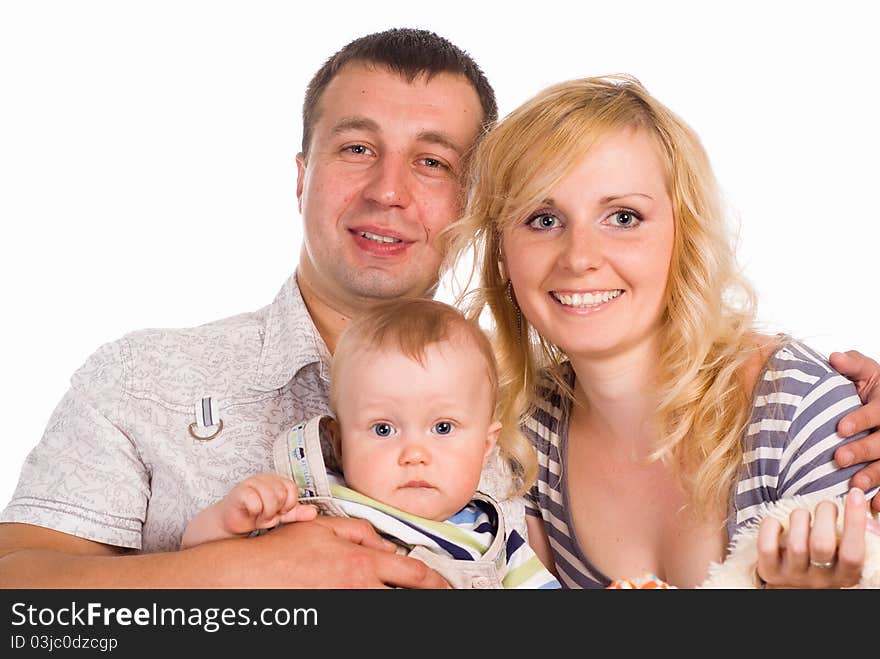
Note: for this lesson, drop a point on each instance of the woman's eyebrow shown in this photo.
(614, 197)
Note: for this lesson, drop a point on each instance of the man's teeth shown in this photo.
(378, 238)
(586, 299)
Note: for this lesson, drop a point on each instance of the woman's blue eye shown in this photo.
(625, 219)
(383, 429)
(443, 427)
(543, 221)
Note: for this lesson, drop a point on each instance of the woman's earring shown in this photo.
(510, 296)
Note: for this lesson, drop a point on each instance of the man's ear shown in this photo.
(300, 179)
(491, 440)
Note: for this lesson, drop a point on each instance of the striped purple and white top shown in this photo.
(788, 449)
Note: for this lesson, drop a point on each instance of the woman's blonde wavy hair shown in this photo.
(706, 335)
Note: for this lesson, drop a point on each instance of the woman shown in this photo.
(663, 420)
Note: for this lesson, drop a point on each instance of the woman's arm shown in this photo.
(539, 542)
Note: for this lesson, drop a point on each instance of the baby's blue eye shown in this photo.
(383, 429)
(443, 427)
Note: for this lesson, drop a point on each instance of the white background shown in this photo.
(147, 173)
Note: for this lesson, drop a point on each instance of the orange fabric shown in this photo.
(648, 581)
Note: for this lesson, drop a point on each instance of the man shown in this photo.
(162, 423)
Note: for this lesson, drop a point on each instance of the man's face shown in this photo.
(380, 182)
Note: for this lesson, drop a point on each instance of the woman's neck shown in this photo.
(616, 395)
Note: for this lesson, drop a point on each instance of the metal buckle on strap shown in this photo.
(207, 417)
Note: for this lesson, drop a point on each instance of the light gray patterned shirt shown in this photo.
(118, 464)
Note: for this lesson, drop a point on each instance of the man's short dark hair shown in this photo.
(408, 53)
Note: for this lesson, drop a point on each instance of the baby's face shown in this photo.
(416, 437)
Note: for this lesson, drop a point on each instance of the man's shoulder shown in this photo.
(223, 334)
(162, 361)
(240, 355)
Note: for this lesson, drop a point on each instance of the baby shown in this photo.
(414, 389)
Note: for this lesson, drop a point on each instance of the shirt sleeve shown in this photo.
(807, 462)
(530, 499)
(85, 477)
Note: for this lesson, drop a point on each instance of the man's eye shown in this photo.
(383, 429)
(543, 221)
(357, 149)
(443, 427)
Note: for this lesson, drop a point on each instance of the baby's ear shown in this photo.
(491, 440)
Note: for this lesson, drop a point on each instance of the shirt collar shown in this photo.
(291, 340)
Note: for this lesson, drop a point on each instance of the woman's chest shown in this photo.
(631, 518)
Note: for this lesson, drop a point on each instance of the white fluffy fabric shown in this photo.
(738, 569)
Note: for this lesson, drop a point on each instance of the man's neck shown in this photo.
(331, 314)
(329, 320)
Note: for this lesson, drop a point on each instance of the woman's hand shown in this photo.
(809, 554)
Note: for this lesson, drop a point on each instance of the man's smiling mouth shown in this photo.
(378, 238)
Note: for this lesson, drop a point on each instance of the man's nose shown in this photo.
(390, 181)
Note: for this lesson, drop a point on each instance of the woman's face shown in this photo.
(589, 267)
